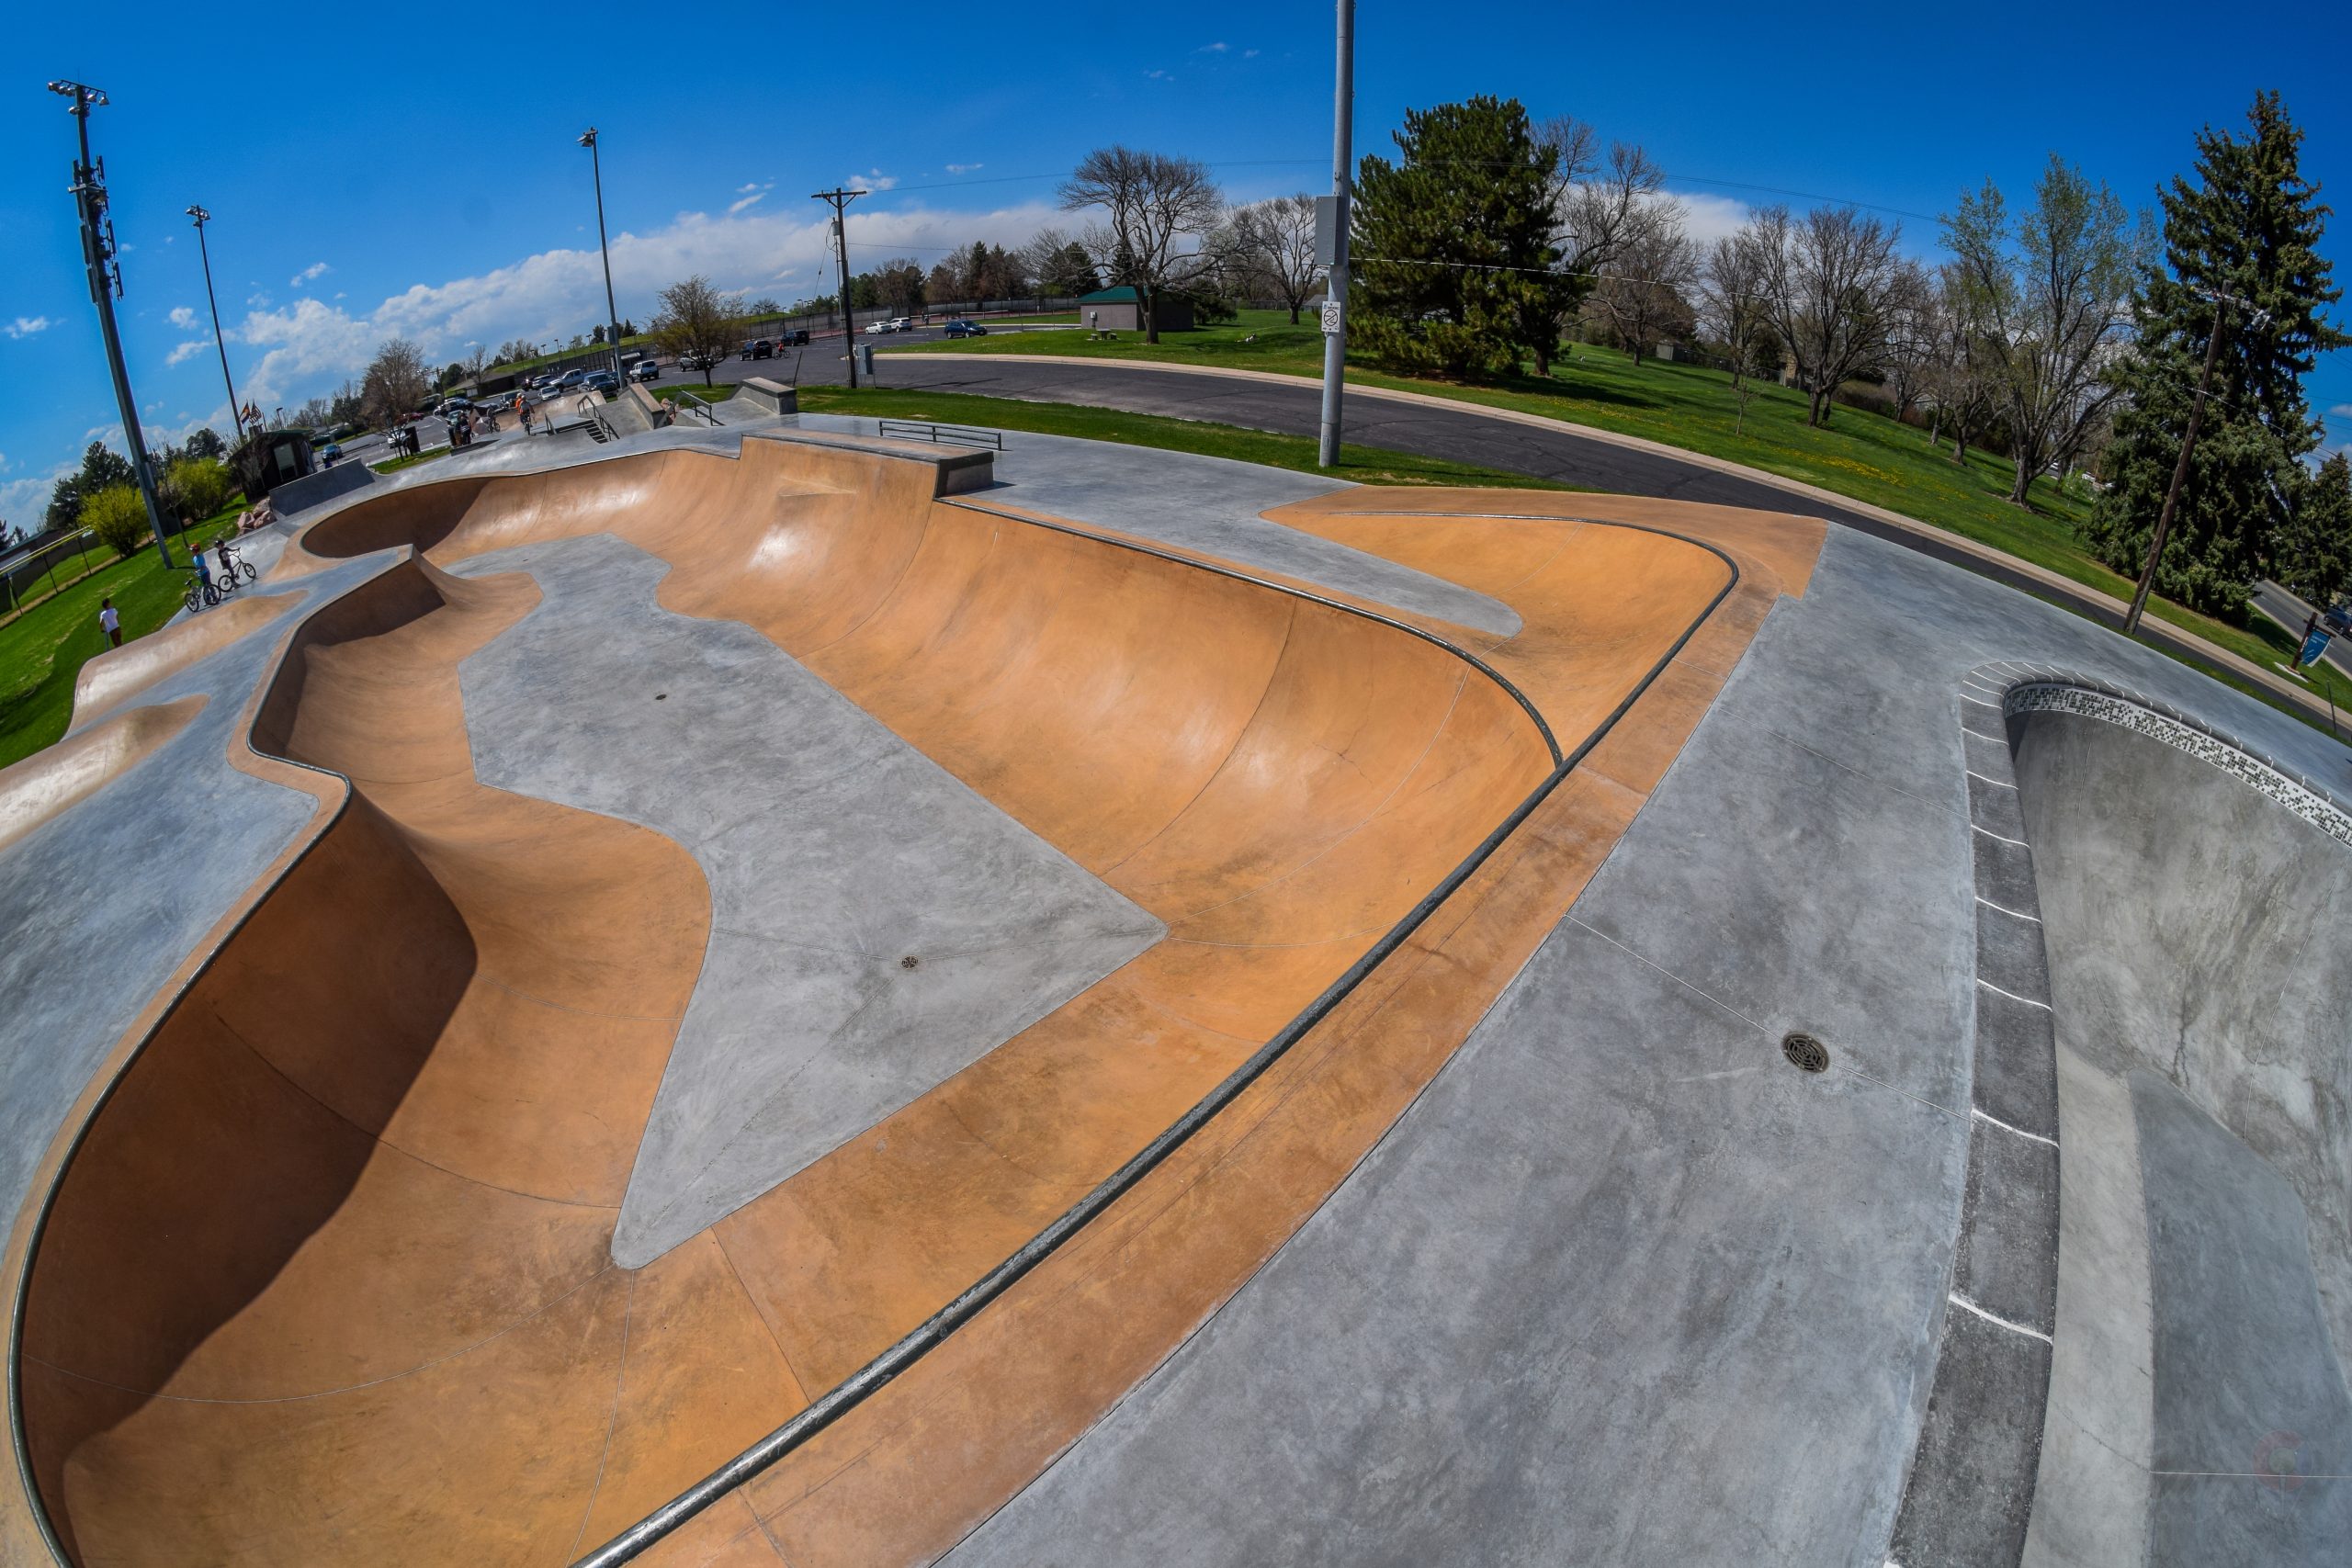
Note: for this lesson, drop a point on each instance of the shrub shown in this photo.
(117, 516)
(199, 485)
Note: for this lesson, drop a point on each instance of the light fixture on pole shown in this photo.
(106, 285)
(841, 199)
(202, 217)
(612, 314)
(2221, 303)
(1331, 240)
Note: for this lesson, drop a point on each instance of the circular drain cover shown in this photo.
(909, 962)
(1804, 1050)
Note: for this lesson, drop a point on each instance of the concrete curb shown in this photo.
(2064, 587)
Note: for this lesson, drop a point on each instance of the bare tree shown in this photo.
(1153, 204)
(1957, 387)
(1908, 338)
(1277, 237)
(476, 359)
(1640, 288)
(1596, 199)
(396, 381)
(1732, 304)
(695, 324)
(2050, 295)
(1828, 275)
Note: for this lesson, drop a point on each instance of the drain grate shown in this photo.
(1806, 1052)
(909, 962)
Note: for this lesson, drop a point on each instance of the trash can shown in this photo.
(865, 357)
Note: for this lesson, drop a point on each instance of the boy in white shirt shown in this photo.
(110, 621)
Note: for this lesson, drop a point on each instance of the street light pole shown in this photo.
(841, 199)
(2221, 303)
(1335, 291)
(612, 314)
(212, 303)
(105, 283)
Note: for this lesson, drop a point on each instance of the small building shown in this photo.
(270, 459)
(1120, 309)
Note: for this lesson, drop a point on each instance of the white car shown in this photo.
(881, 327)
(903, 324)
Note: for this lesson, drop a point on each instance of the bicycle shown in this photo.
(201, 595)
(233, 565)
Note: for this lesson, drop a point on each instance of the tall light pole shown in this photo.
(105, 283)
(841, 199)
(612, 315)
(213, 304)
(2221, 303)
(1335, 291)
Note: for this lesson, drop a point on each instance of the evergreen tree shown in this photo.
(2314, 552)
(2248, 226)
(1070, 273)
(102, 468)
(1454, 243)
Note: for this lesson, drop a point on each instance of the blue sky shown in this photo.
(413, 172)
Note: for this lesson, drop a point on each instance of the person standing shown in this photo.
(110, 621)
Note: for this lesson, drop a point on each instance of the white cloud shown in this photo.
(184, 318)
(874, 179)
(1212, 49)
(186, 351)
(26, 326)
(1158, 76)
(311, 346)
(1707, 219)
(1248, 54)
(738, 206)
(748, 188)
(22, 502)
(963, 168)
(259, 300)
(2341, 410)
(310, 274)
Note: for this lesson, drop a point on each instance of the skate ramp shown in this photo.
(2201, 988)
(331, 1275)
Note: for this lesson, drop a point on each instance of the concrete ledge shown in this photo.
(773, 395)
(325, 485)
(637, 410)
(958, 469)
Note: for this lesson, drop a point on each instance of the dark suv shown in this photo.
(760, 349)
(796, 338)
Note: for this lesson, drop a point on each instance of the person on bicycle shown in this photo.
(203, 573)
(228, 564)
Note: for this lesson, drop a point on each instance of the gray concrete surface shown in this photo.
(101, 904)
(834, 849)
(2202, 989)
(1622, 1286)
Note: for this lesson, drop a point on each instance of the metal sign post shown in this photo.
(1332, 241)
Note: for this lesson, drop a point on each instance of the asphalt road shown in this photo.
(2295, 614)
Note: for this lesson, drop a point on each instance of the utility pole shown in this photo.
(106, 284)
(213, 304)
(612, 313)
(841, 199)
(1335, 292)
(2221, 303)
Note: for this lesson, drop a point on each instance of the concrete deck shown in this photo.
(1534, 1248)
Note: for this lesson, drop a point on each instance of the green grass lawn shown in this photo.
(1050, 319)
(43, 650)
(1363, 464)
(713, 394)
(1863, 456)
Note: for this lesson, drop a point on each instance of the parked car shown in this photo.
(961, 328)
(696, 362)
(569, 379)
(603, 381)
(903, 324)
(328, 453)
(452, 407)
(759, 348)
(646, 370)
(881, 327)
(796, 338)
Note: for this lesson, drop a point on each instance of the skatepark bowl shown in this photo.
(806, 979)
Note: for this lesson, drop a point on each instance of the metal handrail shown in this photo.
(947, 434)
(698, 406)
